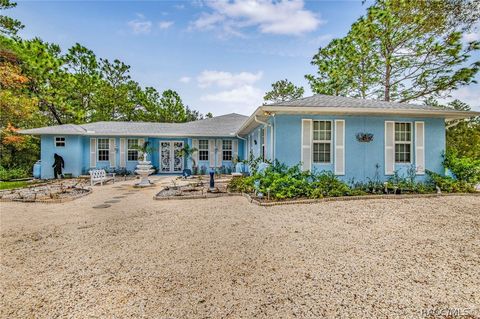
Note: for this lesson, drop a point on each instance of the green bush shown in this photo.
(465, 169)
(279, 181)
(13, 173)
(241, 184)
(449, 184)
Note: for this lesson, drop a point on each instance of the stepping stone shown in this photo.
(126, 194)
(102, 206)
(117, 197)
(112, 201)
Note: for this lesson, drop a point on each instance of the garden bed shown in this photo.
(196, 187)
(266, 203)
(51, 192)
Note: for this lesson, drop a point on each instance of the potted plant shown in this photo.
(187, 151)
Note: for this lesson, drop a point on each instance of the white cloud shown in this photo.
(165, 24)
(471, 36)
(185, 79)
(226, 79)
(140, 25)
(288, 17)
(468, 94)
(245, 98)
(207, 21)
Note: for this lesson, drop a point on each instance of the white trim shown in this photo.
(112, 154)
(122, 154)
(55, 141)
(93, 152)
(103, 149)
(250, 123)
(323, 142)
(131, 149)
(338, 148)
(306, 146)
(172, 156)
(403, 142)
(420, 149)
(389, 167)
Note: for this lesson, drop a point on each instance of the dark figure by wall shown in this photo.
(58, 165)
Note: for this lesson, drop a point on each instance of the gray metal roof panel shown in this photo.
(224, 125)
(320, 100)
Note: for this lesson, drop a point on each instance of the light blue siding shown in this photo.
(76, 154)
(361, 159)
(72, 154)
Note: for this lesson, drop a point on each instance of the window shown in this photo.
(203, 150)
(132, 149)
(103, 149)
(60, 141)
(322, 141)
(403, 142)
(227, 150)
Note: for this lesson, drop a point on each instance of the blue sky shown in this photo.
(220, 57)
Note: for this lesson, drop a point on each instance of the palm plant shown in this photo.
(187, 151)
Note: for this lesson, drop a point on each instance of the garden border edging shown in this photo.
(348, 198)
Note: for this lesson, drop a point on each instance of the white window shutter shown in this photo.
(420, 147)
(339, 147)
(306, 152)
(141, 141)
(219, 153)
(389, 147)
(211, 151)
(195, 154)
(123, 155)
(235, 148)
(112, 155)
(93, 152)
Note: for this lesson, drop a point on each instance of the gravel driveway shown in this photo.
(226, 258)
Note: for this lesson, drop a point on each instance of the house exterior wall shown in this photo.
(76, 153)
(72, 154)
(362, 160)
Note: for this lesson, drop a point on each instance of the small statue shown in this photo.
(58, 164)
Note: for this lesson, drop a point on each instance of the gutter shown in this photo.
(260, 122)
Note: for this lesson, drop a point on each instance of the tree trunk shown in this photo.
(387, 82)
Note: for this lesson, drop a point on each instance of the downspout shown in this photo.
(452, 124)
(271, 132)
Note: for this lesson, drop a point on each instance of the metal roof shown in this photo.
(224, 125)
(233, 124)
(320, 100)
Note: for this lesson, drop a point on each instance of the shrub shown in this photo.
(465, 169)
(449, 184)
(13, 173)
(241, 184)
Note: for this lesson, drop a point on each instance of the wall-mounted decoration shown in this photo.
(364, 137)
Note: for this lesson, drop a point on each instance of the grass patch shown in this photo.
(12, 185)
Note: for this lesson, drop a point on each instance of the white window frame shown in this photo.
(103, 149)
(205, 149)
(395, 142)
(224, 150)
(330, 141)
(56, 142)
(132, 150)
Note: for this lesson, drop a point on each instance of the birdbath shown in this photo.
(144, 168)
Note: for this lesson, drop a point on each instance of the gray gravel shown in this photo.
(225, 258)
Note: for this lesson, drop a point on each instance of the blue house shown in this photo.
(353, 138)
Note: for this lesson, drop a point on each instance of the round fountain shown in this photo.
(144, 168)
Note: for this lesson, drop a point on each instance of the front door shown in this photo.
(171, 160)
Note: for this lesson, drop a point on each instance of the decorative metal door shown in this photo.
(171, 160)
